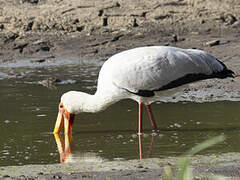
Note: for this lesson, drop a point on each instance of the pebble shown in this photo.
(117, 37)
(213, 43)
(177, 125)
(174, 38)
(105, 21)
(6, 176)
(1, 26)
(145, 135)
(57, 177)
(134, 136)
(119, 136)
(6, 121)
(29, 1)
(139, 166)
(228, 19)
(135, 24)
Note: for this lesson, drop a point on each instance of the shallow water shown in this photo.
(29, 110)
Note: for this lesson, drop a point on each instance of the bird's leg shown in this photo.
(151, 147)
(150, 114)
(140, 146)
(139, 118)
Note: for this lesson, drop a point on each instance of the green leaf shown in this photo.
(184, 169)
(167, 173)
(185, 172)
(206, 144)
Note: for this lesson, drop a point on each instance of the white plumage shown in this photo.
(142, 74)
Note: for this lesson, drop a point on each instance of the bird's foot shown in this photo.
(139, 133)
(154, 134)
(156, 130)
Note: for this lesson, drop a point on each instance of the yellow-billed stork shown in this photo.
(141, 74)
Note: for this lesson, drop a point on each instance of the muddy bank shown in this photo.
(224, 164)
(99, 29)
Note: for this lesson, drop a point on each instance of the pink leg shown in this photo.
(140, 146)
(139, 118)
(150, 114)
(151, 147)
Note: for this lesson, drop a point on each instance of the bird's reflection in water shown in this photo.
(65, 153)
(64, 146)
(66, 156)
(150, 150)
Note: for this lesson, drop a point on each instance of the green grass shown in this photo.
(183, 164)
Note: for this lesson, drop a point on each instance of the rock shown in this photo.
(119, 136)
(20, 45)
(174, 38)
(117, 37)
(203, 21)
(7, 121)
(6, 176)
(105, 21)
(39, 45)
(36, 25)
(1, 27)
(57, 177)
(228, 19)
(41, 60)
(45, 48)
(213, 43)
(135, 24)
(29, 1)
(80, 28)
(29, 26)
(10, 37)
(100, 12)
(50, 82)
(161, 17)
(110, 5)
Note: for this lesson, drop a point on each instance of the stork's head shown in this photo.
(72, 103)
(69, 106)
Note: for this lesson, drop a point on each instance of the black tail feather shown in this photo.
(224, 74)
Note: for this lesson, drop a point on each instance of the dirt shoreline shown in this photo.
(51, 30)
(99, 29)
(203, 166)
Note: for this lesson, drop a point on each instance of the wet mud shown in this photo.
(203, 167)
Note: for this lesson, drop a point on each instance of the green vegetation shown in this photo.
(183, 164)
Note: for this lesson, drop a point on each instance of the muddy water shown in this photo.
(28, 113)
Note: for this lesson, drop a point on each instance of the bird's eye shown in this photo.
(61, 106)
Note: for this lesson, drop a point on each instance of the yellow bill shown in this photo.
(63, 118)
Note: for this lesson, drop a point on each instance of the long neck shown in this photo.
(96, 102)
(76, 102)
